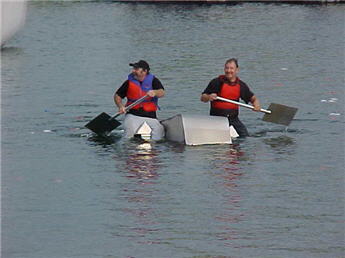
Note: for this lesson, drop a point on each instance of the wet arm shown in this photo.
(159, 93)
(256, 103)
(118, 103)
(157, 89)
(209, 93)
(208, 97)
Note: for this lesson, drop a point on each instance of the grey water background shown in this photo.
(278, 193)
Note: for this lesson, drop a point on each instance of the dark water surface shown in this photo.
(278, 193)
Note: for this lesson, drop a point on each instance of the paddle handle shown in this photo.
(130, 106)
(243, 105)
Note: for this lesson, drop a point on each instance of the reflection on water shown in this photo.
(104, 140)
(10, 51)
(139, 192)
(280, 142)
(277, 129)
(228, 172)
(143, 163)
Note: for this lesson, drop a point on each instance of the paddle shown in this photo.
(103, 124)
(276, 113)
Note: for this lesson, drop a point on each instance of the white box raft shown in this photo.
(198, 130)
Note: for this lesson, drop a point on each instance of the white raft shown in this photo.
(184, 129)
(198, 130)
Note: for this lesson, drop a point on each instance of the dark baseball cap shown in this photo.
(141, 64)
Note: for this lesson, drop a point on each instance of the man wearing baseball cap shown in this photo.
(140, 82)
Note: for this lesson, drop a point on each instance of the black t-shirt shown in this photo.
(122, 92)
(214, 87)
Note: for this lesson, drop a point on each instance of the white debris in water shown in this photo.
(334, 114)
(333, 100)
(47, 131)
(284, 69)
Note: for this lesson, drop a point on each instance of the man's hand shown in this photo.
(122, 109)
(256, 108)
(212, 96)
(208, 97)
(151, 93)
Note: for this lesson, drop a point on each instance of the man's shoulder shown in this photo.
(156, 83)
(242, 83)
(216, 81)
(125, 83)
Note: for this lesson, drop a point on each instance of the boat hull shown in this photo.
(198, 130)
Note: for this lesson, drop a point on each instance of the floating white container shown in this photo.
(198, 130)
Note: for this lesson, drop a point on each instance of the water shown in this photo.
(278, 193)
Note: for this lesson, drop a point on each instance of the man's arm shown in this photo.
(118, 103)
(256, 103)
(157, 89)
(208, 97)
(156, 93)
(119, 95)
(209, 93)
(248, 96)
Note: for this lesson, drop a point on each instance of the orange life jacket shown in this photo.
(137, 89)
(229, 91)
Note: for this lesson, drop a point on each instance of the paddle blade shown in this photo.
(280, 114)
(102, 124)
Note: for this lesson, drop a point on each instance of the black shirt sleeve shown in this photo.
(213, 86)
(156, 84)
(122, 91)
(246, 93)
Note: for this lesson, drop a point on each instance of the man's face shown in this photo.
(230, 71)
(139, 73)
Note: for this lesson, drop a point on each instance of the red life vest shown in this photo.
(229, 91)
(137, 89)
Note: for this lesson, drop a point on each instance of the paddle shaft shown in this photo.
(130, 106)
(243, 105)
